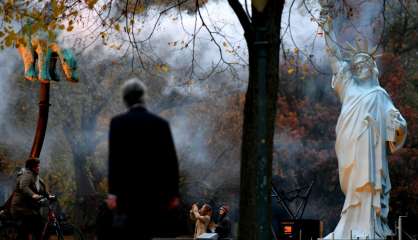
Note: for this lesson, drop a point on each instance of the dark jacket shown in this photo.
(22, 202)
(143, 167)
(224, 227)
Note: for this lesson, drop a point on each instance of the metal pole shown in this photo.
(400, 227)
(274, 233)
(38, 140)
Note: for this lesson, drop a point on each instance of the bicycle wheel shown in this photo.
(53, 232)
(8, 232)
(71, 232)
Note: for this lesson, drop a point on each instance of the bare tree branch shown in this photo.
(242, 17)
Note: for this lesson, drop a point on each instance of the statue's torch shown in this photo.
(326, 10)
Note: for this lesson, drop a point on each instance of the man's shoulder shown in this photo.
(119, 116)
(27, 174)
(116, 118)
(145, 116)
(158, 119)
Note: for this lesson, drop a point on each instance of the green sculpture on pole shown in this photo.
(39, 58)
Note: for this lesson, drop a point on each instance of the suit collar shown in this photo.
(137, 108)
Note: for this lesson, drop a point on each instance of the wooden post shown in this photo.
(38, 140)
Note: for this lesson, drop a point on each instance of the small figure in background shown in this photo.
(202, 217)
(223, 225)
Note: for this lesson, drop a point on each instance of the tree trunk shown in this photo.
(82, 148)
(259, 117)
(85, 190)
(84, 184)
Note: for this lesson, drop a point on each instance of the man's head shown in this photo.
(224, 210)
(206, 209)
(33, 164)
(133, 92)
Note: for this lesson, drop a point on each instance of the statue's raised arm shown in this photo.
(333, 50)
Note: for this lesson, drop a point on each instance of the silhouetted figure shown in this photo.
(143, 169)
(24, 205)
(223, 226)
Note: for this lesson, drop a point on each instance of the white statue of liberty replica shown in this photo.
(369, 126)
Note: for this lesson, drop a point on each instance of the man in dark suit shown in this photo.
(143, 168)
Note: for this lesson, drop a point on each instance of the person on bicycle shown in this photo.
(25, 207)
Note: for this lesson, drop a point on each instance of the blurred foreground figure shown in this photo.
(143, 170)
(368, 126)
(202, 217)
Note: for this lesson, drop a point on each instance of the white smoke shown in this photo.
(8, 59)
(352, 19)
(300, 30)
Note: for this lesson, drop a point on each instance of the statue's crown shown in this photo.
(361, 49)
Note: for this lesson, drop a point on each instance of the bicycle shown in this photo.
(8, 227)
(55, 228)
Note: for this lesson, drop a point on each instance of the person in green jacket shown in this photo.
(25, 207)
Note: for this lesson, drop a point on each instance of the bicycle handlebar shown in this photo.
(44, 201)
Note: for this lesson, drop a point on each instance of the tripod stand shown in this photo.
(298, 196)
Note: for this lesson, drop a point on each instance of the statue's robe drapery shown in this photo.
(362, 130)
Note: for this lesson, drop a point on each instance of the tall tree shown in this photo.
(261, 32)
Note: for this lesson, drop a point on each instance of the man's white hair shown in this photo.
(134, 92)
